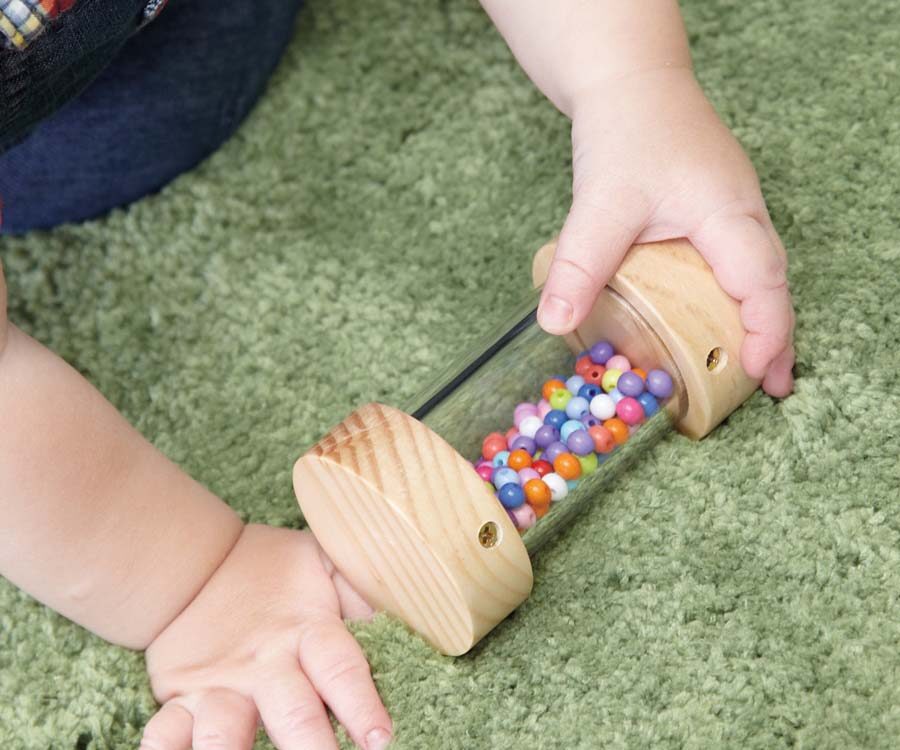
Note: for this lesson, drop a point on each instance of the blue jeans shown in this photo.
(174, 93)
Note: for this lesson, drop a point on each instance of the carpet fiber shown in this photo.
(375, 213)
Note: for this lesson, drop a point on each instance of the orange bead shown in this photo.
(567, 466)
(550, 386)
(583, 364)
(492, 445)
(603, 439)
(618, 429)
(518, 460)
(639, 372)
(537, 493)
(540, 509)
(594, 374)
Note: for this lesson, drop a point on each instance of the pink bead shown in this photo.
(543, 408)
(526, 474)
(511, 434)
(523, 410)
(485, 471)
(630, 411)
(525, 517)
(618, 362)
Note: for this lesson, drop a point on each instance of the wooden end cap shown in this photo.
(673, 289)
(413, 528)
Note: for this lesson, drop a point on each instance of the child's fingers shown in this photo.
(169, 729)
(353, 606)
(224, 720)
(750, 268)
(336, 665)
(292, 712)
(779, 380)
(598, 232)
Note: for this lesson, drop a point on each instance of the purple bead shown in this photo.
(552, 451)
(590, 421)
(545, 435)
(601, 352)
(659, 383)
(580, 443)
(525, 443)
(630, 384)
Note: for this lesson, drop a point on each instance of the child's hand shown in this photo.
(264, 639)
(652, 161)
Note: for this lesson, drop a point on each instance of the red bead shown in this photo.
(492, 445)
(583, 365)
(603, 439)
(542, 467)
(594, 374)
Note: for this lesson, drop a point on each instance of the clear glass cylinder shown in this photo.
(478, 392)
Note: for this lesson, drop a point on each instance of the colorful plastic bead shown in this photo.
(511, 434)
(580, 443)
(524, 516)
(577, 407)
(492, 445)
(610, 378)
(589, 463)
(618, 362)
(618, 429)
(511, 495)
(573, 425)
(522, 443)
(553, 450)
(590, 420)
(503, 475)
(630, 384)
(545, 435)
(659, 383)
(500, 458)
(537, 493)
(543, 408)
(519, 459)
(527, 474)
(556, 418)
(542, 467)
(649, 404)
(583, 364)
(485, 471)
(595, 374)
(589, 390)
(559, 488)
(642, 374)
(524, 410)
(603, 407)
(530, 425)
(567, 466)
(560, 399)
(551, 386)
(616, 395)
(603, 439)
(630, 411)
(574, 384)
(601, 352)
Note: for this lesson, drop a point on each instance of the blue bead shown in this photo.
(556, 418)
(500, 458)
(650, 404)
(589, 390)
(511, 495)
(503, 475)
(578, 407)
(574, 384)
(573, 483)
(568, 428)
(616, 395)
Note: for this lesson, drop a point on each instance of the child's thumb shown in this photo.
(591, 246)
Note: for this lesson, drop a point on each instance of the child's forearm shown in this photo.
(94, 521)
(575, 46)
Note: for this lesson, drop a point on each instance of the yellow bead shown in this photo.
(610, 378)
(589, 463)
(559, 399)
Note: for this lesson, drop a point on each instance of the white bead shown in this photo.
(529, 426)
(559, 488)
(603, 407)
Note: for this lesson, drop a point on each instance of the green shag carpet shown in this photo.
(376, 212)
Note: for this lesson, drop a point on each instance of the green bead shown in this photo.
(560, 398)
(589, 463)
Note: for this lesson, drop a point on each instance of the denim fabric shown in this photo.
(169, 98)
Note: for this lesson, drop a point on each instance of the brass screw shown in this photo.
(713, 359)
(489, 535)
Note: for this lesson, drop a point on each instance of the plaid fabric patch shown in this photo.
(22, 20)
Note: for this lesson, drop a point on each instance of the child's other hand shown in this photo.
(652, 161)
(264, 639)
